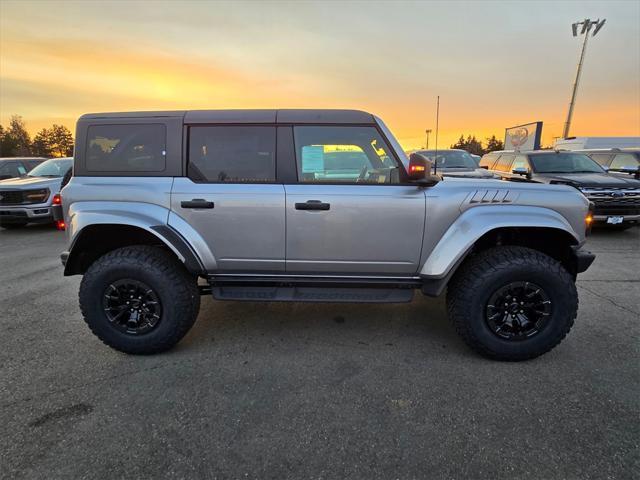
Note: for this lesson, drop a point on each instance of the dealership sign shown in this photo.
(523, 137)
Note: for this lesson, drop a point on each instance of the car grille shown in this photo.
(614, 201)
(17, 197)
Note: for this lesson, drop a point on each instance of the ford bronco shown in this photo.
(307, 206)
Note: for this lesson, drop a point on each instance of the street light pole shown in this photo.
(427, 131)
(586, 29)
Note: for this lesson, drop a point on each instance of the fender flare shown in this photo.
(475, 222)
(150, 218)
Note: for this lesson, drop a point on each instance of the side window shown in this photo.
(31, 164)
(232, 154)
(520, 162)
(126, 148)
(488, 160)
(504, 163)
(624, 160)
(10, 169)
(344, 154)
(602, 158)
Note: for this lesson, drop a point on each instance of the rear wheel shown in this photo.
(139, 299)
(512, 303)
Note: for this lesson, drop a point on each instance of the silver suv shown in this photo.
(307, 206)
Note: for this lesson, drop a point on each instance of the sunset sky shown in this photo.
(494, 64)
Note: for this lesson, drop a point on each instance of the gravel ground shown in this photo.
(314, 391)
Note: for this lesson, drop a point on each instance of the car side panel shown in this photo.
(461, 211)
(95, 200)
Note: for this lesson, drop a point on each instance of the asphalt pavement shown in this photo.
(314, 390)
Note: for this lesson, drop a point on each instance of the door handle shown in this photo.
(196, 203)
(313, 205)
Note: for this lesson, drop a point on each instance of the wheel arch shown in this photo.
(95, 240)
(541, 229)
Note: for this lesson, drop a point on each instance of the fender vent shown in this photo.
(492, 196)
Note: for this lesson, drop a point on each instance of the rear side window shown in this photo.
(622, 160)
(126, 148)
(520, 162)
(503, 164)
(33, 163)
(488, 161)
(232, 154)
(11, 169)
(602, 158)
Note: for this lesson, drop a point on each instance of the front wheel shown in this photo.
(512, 303)
(139, 300)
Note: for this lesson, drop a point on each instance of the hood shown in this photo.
(592, 179)
(465, 173)
(23, 183)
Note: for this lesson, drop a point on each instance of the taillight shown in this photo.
(57, 199)
(60, 225)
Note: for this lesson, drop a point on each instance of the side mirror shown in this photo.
(419, 170)
(486, 167)
(521, 171)
(419, 167)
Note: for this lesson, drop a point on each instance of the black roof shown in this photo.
(250, 116)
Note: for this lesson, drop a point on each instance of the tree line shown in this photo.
(472, 145)
(56, 141)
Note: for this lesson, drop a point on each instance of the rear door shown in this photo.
(230, 196)
(349, 213)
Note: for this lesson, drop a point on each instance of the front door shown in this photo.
(349, 214)
(230, 197)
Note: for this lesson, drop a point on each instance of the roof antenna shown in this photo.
(435, 156)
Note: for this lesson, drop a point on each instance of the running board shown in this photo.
(312, 289)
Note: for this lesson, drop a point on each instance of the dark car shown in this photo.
(622, 162)
(455, 163)
(11, 167)
(616, 199)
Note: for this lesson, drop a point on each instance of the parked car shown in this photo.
(246, 203)
(28, 199)
(616, 199)
(11, 167)
(622, 162)
(456, 163)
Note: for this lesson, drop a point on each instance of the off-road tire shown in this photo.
(482, 274)
(13, 226)
(176, 289)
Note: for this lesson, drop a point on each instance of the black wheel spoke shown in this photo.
(518, 310)
(132, 307)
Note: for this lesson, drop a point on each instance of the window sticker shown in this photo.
(22, 170)
(313, 159)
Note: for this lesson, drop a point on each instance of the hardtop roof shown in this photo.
(311, 116)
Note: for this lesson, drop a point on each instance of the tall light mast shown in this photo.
(585, 30)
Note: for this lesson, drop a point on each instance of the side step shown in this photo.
(313, 294)
(274, 288)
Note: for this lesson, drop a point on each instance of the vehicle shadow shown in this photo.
(419, 325)
(31, 228)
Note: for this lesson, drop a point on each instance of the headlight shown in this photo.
(37, 196)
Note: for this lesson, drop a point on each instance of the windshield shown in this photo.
(450, 158)
(52, 168)
(564, 163)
